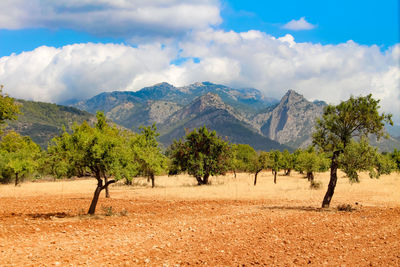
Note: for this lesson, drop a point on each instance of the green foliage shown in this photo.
(360, 156)
(202, 154)
(276, 161)
(18, 155)
(384, 164)
(101, 150)
(244, 158)
(288, 161)
(8, 109)
(356, 117)
(396, 158)
(261, 162)
(309, 161)
(147, 153)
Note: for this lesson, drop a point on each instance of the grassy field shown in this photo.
(371, 192)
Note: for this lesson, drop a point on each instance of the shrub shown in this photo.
(315, 185)
(345, 207)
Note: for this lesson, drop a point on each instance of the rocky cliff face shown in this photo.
(211, 111)
(291, 121)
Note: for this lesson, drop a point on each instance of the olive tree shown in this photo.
(275, 162)
(99, 150)
(201, 154)
(309, 161)
(146, 153)
(340, 124)
(244, 158)
(18, 155)
(260, 163)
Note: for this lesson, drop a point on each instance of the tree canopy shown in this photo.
(202, 154)
(8, 109)
(18, 155)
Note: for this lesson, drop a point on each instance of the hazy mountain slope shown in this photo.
(42, 121)
(156, 103)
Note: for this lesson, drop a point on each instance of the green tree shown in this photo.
(356, 117)
(243, 158)
(99, 150)
(19, 154)
(309, 161)
(147, 153)
(202, 154)
(275, 162)
(396, 158)
(384, 164)
(288, 161)
(260, 163)
(8, 109)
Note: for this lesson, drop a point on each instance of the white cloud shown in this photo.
(115, 18)
(299, 25)
(249, 59)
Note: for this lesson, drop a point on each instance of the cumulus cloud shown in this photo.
(114, 18)
(299, 25)
(83, 70)
(248, 59)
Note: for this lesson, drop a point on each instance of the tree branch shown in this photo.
(107, 184)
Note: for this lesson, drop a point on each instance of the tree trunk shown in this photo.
(205, 178)
(97, 192)
(234, 173)
(152, 180)
(107, 190)
(16, 179)
(128, 182)
(332, 182)
(310, 176)
(255, 177)
(288, 172)
(275, 172)
(199, 180)
(96, 195)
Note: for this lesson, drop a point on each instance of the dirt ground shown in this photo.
(228, 223)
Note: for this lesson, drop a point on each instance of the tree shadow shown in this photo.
(48, 215)
(298, 208)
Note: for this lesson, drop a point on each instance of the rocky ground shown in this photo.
(39, 229)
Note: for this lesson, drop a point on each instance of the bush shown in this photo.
(315, 185)
(345, 207)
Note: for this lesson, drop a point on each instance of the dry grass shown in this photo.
(370, 192)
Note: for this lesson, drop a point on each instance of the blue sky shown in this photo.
(56, 50)
(363, 21)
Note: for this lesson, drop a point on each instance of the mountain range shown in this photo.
(239, 115)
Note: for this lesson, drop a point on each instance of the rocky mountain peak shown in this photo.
(292, 97)
(207, 101)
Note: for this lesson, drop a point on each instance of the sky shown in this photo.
(57, 50)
